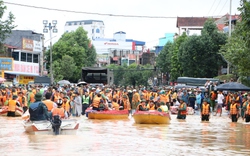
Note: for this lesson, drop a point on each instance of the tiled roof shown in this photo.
(220, 27)
(190, 21)
(115, 58)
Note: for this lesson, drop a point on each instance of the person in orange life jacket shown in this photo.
(151, 105)
(142, 106)
(85, 102)
(234, 111)
(23, 101)
(59, 110)
(125, 104)
(97, 101)
(50, 104)
(205, 111)
(182, 110)
(244, 106)
(115, 105)
(38, 110)
(12, 106)
(66, 105)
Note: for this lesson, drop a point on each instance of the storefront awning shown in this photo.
(21, 73)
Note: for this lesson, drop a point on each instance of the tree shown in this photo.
(176, 68)
(163, 59)
(199, 55)
(57, 71)
(236, 51)
(5, 25)
(76, 45)
(67, 67)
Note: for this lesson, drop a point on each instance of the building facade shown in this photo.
(26, 54)
(95, 28)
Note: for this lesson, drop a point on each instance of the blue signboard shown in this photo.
(6, 63)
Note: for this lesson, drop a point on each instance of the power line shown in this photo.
(216, 7)
(90, 13)
(211, 7)
(223, 6)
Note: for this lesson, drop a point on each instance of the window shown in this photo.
(69, 23)
(97, 30)
(23, 57)
(75, 23)
(29, 57)
(93, 30)
(15, 56)
(35, 58)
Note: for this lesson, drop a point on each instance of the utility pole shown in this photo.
(229, 31)
(50, 26)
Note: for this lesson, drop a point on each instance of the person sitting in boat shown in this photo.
(163, 107)
(50, 104)
(115, 105)
(12, 106)
(38, 110)
(182, 110)
(59, 110)
(151, 105)
(205, 111)
(142, 106)
(125, 104)
(23, 101)
(97, 101)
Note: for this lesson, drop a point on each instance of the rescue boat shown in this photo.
(67, 127)
(4, 111)
(151, 117)
(107, 114)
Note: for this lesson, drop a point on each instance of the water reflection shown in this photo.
(123, 137)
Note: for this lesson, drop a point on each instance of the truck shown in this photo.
(97, 75)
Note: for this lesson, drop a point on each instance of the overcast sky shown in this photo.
(143, 29)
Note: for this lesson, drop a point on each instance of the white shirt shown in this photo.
(220, 98)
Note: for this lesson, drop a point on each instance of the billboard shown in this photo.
(31, 45)
(25, 79)
(6, 63)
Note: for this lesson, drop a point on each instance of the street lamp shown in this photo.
(50, 26)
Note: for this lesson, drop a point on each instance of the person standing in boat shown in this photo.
(135, 100)
(12, 106)
(97, 101)
(142, 106)
(205, 111)
(125, 103)
(182, 110)
(38, 110)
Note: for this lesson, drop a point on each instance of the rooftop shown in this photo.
(85, 21)
(191, 21)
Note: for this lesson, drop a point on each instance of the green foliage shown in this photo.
(225, 77)
(57, 71)
(5, 25)
(131, 75)
(199, 55)
(75, 45)
(236, 51)
(163, 60)
(67, 67)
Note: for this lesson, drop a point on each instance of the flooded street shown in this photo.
(123, 137)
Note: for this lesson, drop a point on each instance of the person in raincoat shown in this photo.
(78, 104)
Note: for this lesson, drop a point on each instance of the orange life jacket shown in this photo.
(32, 97)
(22, 101)
(96, 102)
(164, 98)
(151, 108)
(205, 109)
(233, 109)
(115, 105)
(248, 109)
(66, 106)
(49, 104)
(58, 111)
(125, 104)
(12, 106)
(56, 97)
(183, 112)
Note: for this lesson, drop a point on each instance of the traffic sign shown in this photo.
(6, 63)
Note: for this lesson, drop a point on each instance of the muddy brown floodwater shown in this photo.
(123, 137)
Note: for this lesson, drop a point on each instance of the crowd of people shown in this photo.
(71, 100)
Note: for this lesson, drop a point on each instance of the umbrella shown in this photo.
(63, 82)
(2, 80)
(81, 83)
(233, 86)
